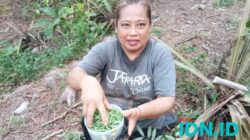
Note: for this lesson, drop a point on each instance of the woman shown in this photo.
(137, 72)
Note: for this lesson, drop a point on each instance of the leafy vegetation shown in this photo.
(63, 30)
(151, 134)
(21, 67)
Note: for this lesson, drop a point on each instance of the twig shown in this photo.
(213, 15)
(4, 31)
(77, 104)
(74, 124)
(15, 28)
(179, 106)
(45, 105)
(59, 31)
(186, 40)
(10, 120)
(34, 120)
(205, 102)
(192, 37)
(75, 112)
(178, 31)
(55, 119)
(53, 134)
(62, 115)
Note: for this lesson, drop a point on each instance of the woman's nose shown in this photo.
(133, 31)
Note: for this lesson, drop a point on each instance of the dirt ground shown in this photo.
(195, 22)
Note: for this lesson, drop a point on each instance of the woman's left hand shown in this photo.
(132, 115)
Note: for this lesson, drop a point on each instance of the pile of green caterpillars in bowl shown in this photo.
(112, 130)
(115, 118)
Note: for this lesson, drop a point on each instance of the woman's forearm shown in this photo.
(76, 77)
(156, 107)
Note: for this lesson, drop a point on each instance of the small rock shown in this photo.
(69, 96)
(52, 79)
(35, 96)
(35, 50)
(203, 1)
(22, 108)
(198, 7)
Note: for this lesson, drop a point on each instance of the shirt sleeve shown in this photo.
(96, 59)
(164, 73)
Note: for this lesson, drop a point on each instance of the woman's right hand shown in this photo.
(93, 98)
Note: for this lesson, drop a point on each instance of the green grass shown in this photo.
(68, 25)
(188, 86)
(158, 31)
(17, 68)
(3, 131)
(186, 83)
(70, 135)
(232, 24)
(62, 84)
(223, 3)
(17, 121)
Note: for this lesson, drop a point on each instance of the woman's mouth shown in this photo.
(133, 42)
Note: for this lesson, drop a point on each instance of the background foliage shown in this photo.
(62, 31)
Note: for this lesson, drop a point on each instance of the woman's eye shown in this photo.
(142, 24)
(125, 25)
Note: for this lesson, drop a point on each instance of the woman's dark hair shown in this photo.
(123, 3)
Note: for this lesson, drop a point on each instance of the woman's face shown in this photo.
(133, 28)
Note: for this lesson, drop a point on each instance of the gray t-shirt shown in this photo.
(131, 83)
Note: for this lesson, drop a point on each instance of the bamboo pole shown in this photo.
(227, 83)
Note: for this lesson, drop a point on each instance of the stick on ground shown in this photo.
(62, 115)
(52, 134)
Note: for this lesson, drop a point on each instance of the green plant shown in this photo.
(223, 2)
(72, 26)
(187, 65)
(151, 134)
(232, 23)
(190, 115)
(115, 118)
(3, 131)
(168, 137)
(71, 135)
(19, 68)
(17, 121)
(190, 84)
(157, 31)
(187, 86)
(62, 84)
